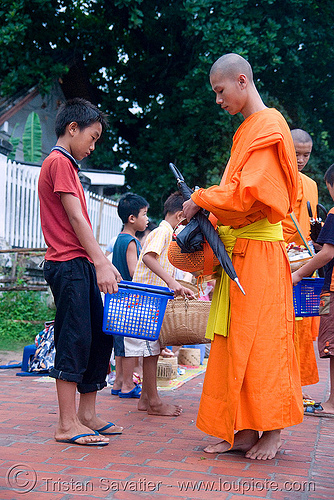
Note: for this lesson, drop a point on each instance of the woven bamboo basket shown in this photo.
(167, 367)
(189, 356)
(166, 370)
(185, 322)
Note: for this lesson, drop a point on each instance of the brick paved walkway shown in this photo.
(154, 453)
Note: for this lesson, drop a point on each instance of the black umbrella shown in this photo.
(316, 224)
(208, 230)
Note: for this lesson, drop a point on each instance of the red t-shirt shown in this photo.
(59, 175)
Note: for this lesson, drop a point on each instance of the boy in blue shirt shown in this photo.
(324, 258)
(132, 209)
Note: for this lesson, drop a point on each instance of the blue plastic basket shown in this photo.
(306, 296)
(136, 310)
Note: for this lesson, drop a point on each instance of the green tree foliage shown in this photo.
(29, 33)
(22, 316)
(150, 60)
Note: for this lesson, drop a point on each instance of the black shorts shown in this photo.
(82, 349)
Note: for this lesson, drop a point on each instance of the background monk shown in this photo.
(306, 329)
(252, 382)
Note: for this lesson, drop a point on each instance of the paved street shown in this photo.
(156, 457)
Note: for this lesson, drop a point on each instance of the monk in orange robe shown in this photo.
(252, 384)
(306, 329)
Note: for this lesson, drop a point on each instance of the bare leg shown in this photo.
(69, 424)
(87, 413)
(119, 373)
(243, 441)
(328, 406)
(266, 447)
(128, 366)
(124, 373)
(150, 399)
(139, 366)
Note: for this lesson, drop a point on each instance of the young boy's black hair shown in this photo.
(174, 203)
(130, 204)
(78, 110)
(329, 175)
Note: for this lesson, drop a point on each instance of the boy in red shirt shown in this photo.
(76, 270)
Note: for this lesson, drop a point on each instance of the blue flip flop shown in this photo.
(103, 430)
(135, 393)
(11, 364)
(115, 392)
(74, 439)
(317, 411)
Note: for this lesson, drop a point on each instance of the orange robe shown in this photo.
(307, 191)
(306, 329)
(252, 379)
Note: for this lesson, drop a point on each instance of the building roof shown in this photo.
(103, 178)
(11, 105)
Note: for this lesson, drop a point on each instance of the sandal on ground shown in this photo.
(106, 430)
(317, 411)
(74, 439)
(135, 393)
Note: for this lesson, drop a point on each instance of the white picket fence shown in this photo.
(19, 208)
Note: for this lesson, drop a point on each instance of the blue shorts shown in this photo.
(82, 349)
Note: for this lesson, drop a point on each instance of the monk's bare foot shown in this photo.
(266, 447)
(243, 441)
(62, 434)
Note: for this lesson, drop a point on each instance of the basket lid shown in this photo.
(143, 287)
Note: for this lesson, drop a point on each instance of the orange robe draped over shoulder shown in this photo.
(306, 329)
(307, 191)
(252, 379)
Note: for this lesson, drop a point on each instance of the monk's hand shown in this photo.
(190, 209)
(107, 277)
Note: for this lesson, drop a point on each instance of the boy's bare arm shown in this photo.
(106, 274)
(131, 257)
(322, 258)
(150, 260)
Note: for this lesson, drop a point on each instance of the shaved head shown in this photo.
(300, 136)
(231, 66)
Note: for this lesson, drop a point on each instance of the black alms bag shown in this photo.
(190, 239)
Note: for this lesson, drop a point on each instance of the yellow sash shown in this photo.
(219, 317)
